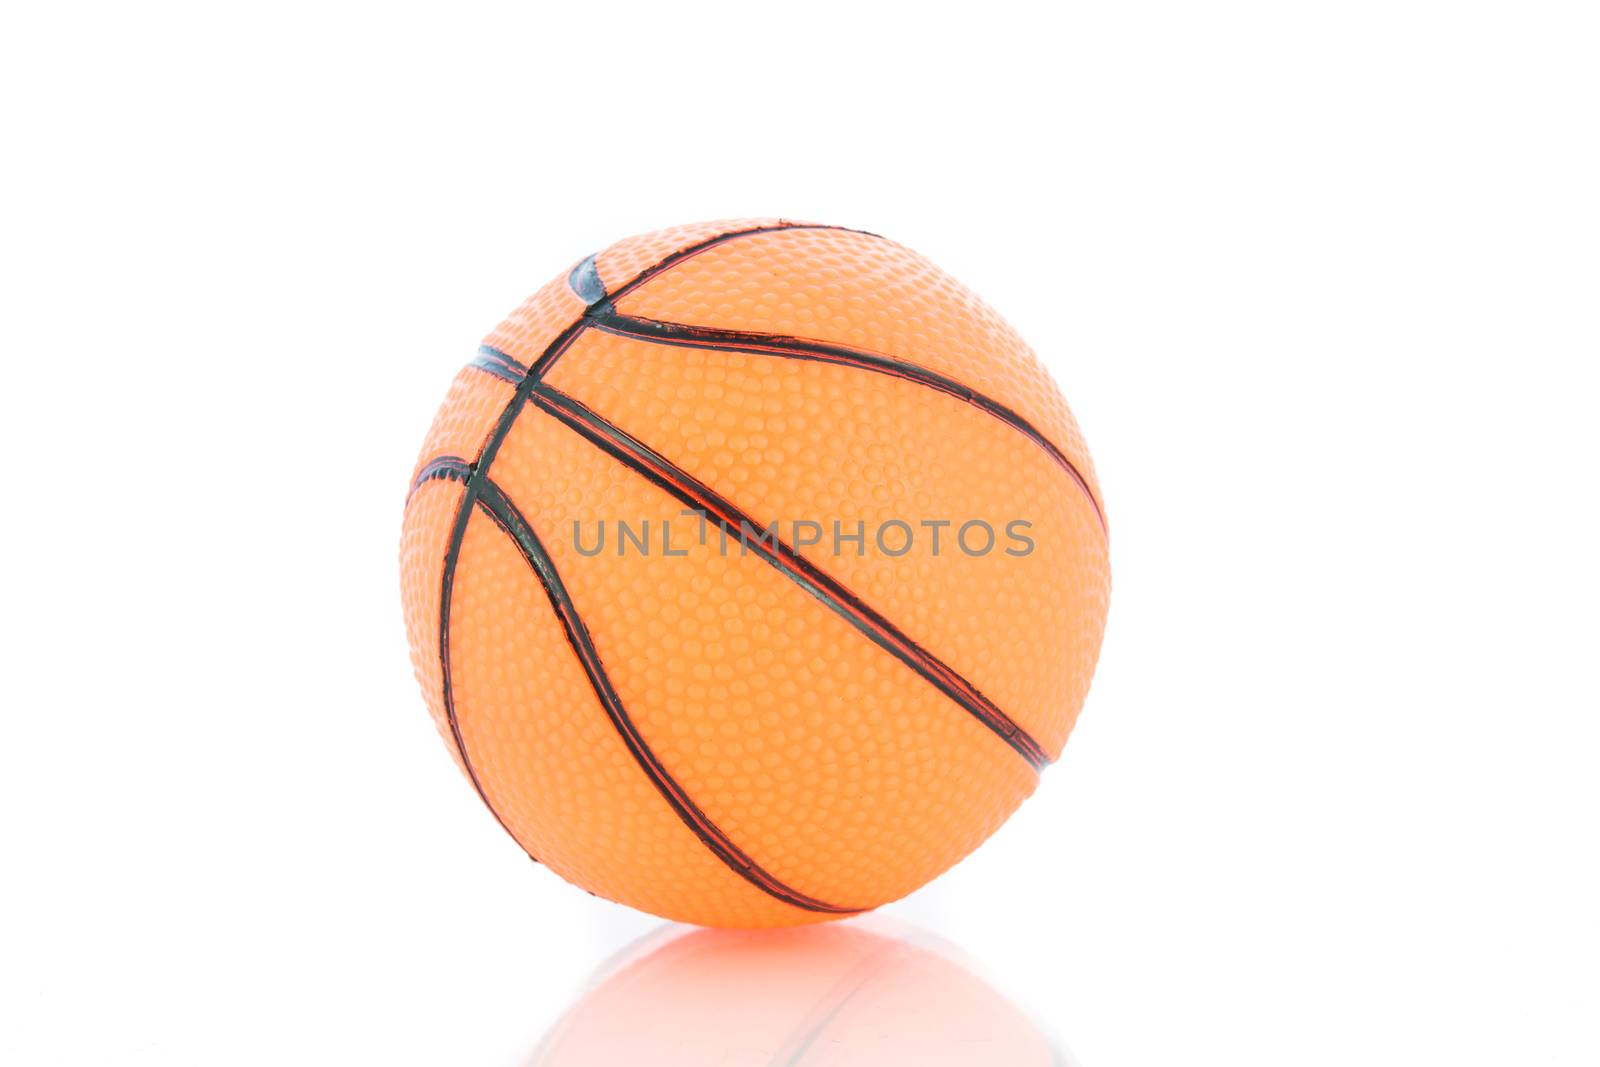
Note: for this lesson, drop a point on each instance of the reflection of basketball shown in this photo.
(835, 995)
(753, 571)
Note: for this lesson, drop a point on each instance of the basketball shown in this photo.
(753, 572)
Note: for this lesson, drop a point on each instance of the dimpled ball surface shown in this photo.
(778, 732)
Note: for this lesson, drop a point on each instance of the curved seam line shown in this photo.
(453, 468)
(446, 468)
(511, 520)
(478, 471)
(684, 335)
(495, 362)
(472, 481)
(871, 624)
(672, 259)
(662, 472)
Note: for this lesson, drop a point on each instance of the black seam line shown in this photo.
(473, 479)
(683, 335)
(456, 469)
(672, 260)
(506, 515)
(449, 468)
(584, 280)
(662, 472)
(498, 364)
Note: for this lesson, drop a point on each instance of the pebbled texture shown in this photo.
(471, 407)
(429, 513)
(552, 766)
(827, 761)
(527, 330)
(790, 439)
(864, 291)
(631, 256)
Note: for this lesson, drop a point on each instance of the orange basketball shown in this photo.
(753, 571)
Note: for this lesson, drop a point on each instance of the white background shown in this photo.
(1319, 280)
